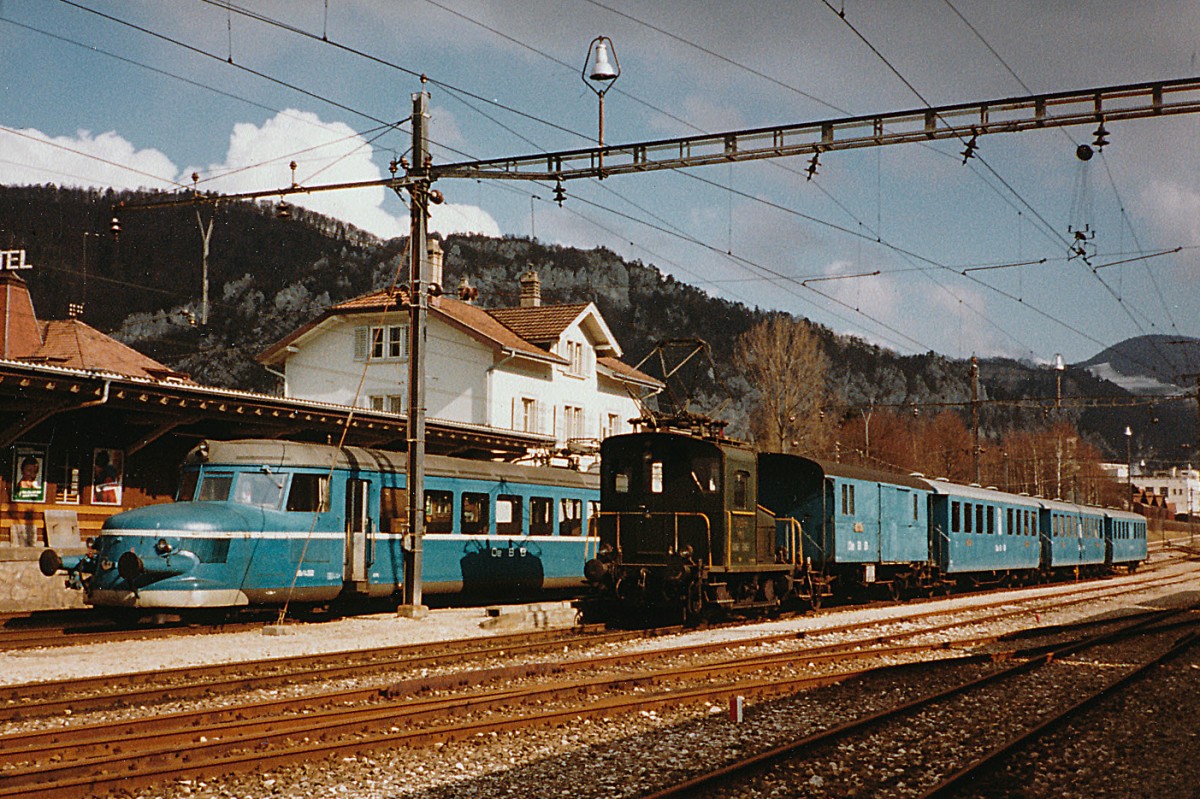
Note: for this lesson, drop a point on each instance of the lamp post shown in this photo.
(1129, 465)
(601, 72)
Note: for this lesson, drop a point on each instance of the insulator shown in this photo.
(560, 194)
(969, 150)
(1100, 141)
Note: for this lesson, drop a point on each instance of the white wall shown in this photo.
(466, 380)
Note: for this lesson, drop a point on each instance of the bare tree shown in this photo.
(782, 359)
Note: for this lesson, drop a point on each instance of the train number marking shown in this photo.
(306, 572)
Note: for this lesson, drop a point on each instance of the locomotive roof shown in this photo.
(294, 454)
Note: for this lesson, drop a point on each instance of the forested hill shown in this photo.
(269, 275)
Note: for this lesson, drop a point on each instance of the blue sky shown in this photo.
(127, 107)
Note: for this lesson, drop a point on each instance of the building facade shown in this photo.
(547, 370)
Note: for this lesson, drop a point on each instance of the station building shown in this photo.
(545, 370)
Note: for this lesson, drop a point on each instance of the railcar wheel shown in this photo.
(895, 590)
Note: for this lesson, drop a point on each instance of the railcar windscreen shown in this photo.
(215, 488)
(187, 486)
(258, 489)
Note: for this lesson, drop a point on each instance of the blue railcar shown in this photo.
(261, 522)
(983, 535)
(859, 526)
(1125, 539)
(1072, 536)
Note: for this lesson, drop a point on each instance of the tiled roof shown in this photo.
(542, 324)
(73, 344)
(485, 323)
(519, 330)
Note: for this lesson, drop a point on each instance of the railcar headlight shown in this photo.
(162, 547)
(605, 552)
(90, 542)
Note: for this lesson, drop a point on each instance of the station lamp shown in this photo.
(600, 70)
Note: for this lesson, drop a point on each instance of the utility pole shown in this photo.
(418, 304)
(205, 237)
(975, 415)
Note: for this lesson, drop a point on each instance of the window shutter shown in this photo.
(360, 343)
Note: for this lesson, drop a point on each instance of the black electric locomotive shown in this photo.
(681, 531)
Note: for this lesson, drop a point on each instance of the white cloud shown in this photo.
(82, 160)
(1174, 209)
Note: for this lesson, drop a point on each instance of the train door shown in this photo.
(358, 530)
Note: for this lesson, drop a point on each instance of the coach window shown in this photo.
(508, 515)
(914, 507)
(215, 488)
(393, 510)
(309, 493)
(571, 519)
(968, 517)
(541, 516)
(593, 511)
(847, 499)
(990, 513)
(475, 513)
(741, 489)
(439, 512)
(955, 523)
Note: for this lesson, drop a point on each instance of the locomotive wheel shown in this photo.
(895, 590)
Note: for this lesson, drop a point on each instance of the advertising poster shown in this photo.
(29, 477)
(108, 466)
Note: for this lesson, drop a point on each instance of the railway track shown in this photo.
(84, 760)
(951, 712)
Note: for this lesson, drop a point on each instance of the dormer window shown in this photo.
(384, 342)
(575, 354)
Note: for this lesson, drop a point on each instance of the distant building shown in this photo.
(1177, 486)
(551, 370)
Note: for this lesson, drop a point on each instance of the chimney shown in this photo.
(433, 251)
(466, 292)
(531, 290)
(20, 335)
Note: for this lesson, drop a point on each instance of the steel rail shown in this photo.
(751, 765)
(171, 685)
(949, 785)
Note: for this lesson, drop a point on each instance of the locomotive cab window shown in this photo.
(508, 515)
(439, 511)
(308, 493)
(741, 489)
(215, 488)
(187, 486)
(621, 481)
(656, 477)
(541, 516)
(706, 474)
(475, 512)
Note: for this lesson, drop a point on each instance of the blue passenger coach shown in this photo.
(861, 526)
(982, 533)
(1125, 539)
(261, 522)
(1072, 535)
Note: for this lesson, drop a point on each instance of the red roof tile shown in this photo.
(541, 324)
(71, 343)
